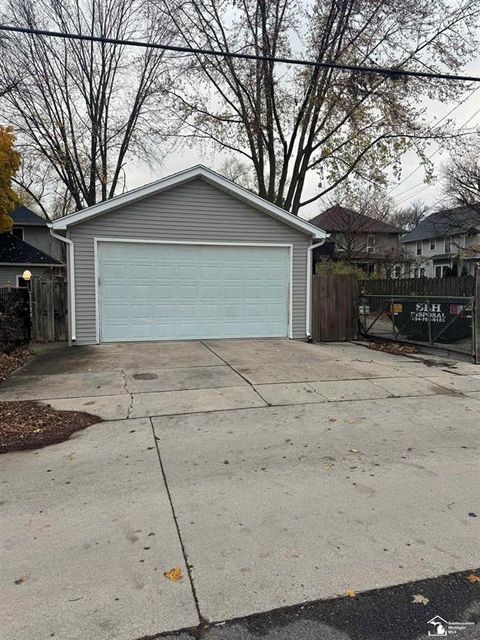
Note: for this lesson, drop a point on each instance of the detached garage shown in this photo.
(190, 256)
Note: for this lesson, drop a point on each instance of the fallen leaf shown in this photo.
(174, 574)
(20, 580)
(350, 593)
(473, 578)
(419, 599)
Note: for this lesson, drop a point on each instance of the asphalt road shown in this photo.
(383, 614)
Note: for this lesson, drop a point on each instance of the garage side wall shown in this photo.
(195, 211)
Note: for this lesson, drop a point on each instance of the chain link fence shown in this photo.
(436, 321)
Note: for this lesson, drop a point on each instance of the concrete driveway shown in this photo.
(271, 472)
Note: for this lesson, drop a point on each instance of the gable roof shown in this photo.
(342, 219)
(24, 216)
(176, 179)
(446, 222)
(15, 251)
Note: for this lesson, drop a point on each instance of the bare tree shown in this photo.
(81, 110)
(290, 122)
(237, 171)
(365, 198)
(462, 174)
(409, 217)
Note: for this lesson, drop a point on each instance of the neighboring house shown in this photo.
(447, 242)
(192, 256)
(33, 229)
(369, 244)
(29, 246)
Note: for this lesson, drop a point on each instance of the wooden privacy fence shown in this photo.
(462, 287)
(334, 308)
(49, 309)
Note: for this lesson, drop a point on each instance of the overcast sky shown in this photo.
(413, 188)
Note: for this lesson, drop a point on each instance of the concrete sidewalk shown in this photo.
(285, 472)
(87, 533)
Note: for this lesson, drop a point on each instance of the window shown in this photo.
(433, 244)
(397, 271)
(370, 243)
(415, 273)
(448, 245)
(443, 271)
(422, 272)
(22, 284)
(419, 248)
(17, 232)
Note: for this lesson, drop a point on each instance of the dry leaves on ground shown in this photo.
(395, 348)
(174, 574)
(419, 599)
(11, 361)
(350, 593)
(29, 425)
(473, 578)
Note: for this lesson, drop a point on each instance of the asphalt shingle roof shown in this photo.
(448, 222)
(340, 219)
(16, 251)
(23, 215)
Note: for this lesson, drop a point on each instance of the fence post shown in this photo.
(476, 328)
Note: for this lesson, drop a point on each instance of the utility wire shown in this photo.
(427, 186)
(391, 72)
(457, 106)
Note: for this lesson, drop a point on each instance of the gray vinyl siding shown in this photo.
(195, 211)
(8, 275)
(40, 238)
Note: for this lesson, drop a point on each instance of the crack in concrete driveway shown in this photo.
(271, 472)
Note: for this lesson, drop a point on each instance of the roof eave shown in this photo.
(182, 177)
(31, 264)
(30, 224)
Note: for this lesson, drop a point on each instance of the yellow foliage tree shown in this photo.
(9, 165)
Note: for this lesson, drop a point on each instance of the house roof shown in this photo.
(24, 216)
(198, 171)
(14, 251)
(445, 222)
(342, 219)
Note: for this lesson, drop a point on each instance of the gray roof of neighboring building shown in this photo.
(16, 251)
(23, 216)
(342, 219)
(448, 222)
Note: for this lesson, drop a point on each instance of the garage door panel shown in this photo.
(155, 291)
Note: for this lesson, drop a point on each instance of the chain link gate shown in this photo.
(446, 322)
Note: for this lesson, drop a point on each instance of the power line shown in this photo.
(457, 106)
(385, 71)
(418, 184)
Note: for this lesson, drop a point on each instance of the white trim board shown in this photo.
(288, 246)
(198, 171)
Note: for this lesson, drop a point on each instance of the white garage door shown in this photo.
(171, 291)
